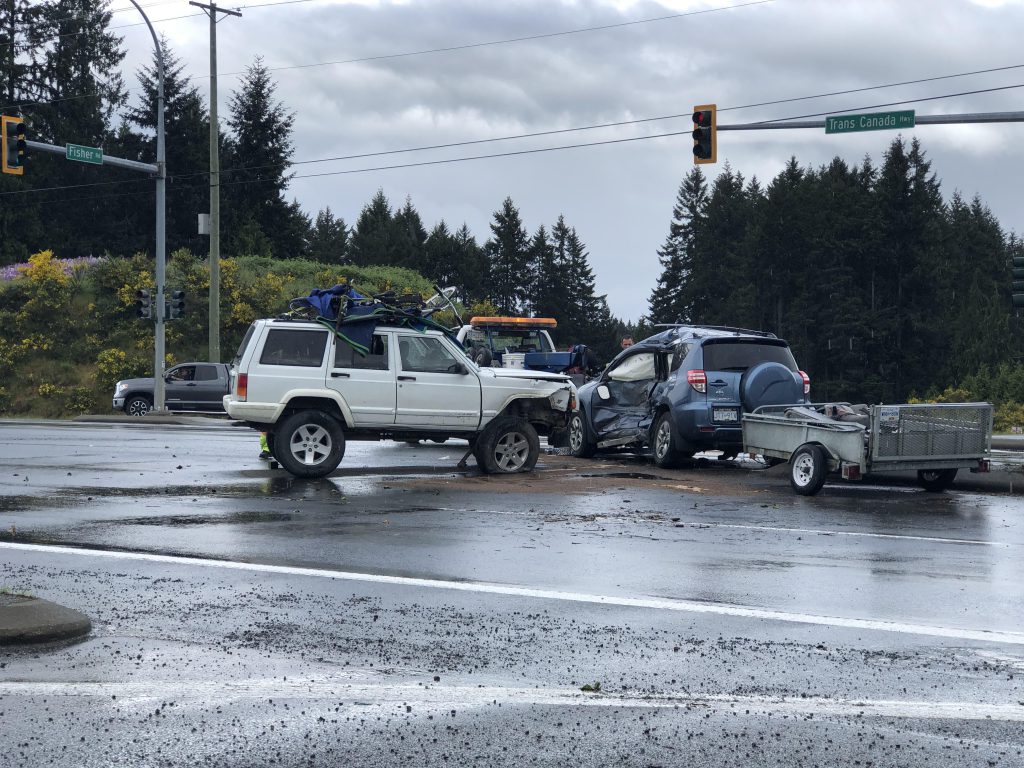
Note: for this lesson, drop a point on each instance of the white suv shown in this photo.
(309, 390)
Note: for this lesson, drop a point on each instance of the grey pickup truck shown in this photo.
(188, 387)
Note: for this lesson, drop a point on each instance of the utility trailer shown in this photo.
(937, 440)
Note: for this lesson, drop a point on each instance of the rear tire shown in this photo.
(507, 445)
(581, 444)
(311, 444)
(663, 449)
(807, 470)
(935, 480)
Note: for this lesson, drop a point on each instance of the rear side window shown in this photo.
(287, 346)
(741, 355)
(206, 373)
(377, 359)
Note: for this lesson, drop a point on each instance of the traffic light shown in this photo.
(13, 146)
(1018, 281)
(705, 141)
(177, 305)
(143, 304)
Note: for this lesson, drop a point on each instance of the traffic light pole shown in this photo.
(161, 224)
(975, 117)
(117, 162)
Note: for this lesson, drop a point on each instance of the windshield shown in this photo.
(515, 340)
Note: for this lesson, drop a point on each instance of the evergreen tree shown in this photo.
(508, 260)
(373, 235)
(21, 227)
(328, 238)
(666, 304)
(408, 238)
(455, 260)
(187, 137)
(73, 52)
(256, 169)
(547, 294)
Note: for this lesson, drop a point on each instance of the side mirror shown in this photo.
(603, 392)
(461, 369)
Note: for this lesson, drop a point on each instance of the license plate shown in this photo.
(725, 414)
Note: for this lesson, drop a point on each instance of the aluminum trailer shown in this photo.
(937, 440)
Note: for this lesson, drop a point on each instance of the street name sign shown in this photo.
(870, 121)
(84, 154)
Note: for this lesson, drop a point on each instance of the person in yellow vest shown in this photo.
(264, 446)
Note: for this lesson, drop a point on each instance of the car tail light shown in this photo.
(807, 382)
(242, 386)
(698, 380)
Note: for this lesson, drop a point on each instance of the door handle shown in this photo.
(407, 378)
(339, 375)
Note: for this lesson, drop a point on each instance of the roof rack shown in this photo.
(728, 328)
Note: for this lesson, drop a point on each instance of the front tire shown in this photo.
(309, 444)
(138, 406)
(581, 445)
(807, 469)
(936, 480)
(507, 445)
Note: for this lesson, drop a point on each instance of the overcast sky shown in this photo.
(618, 196)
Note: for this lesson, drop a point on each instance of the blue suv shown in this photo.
(685, 390)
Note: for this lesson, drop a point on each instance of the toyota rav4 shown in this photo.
(685, 390)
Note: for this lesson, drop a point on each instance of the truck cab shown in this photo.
(514, 342)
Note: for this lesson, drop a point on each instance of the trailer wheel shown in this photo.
(936, 480)
(807, 469)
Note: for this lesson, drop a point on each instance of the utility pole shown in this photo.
(212, 10)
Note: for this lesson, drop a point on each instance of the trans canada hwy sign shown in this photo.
(871, 121)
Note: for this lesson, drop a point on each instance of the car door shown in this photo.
(620, 406)
(367, 382)
(179, 388)
(208, 388)
(436, 387)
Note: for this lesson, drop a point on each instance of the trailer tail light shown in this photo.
(242, 386)
(698, 380)
(983, 466)
(807, 382)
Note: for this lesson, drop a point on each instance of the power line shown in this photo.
(893, 103)
(380, 57)
(507, 41)
(481, 157)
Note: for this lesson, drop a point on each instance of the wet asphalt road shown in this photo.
(401, 612)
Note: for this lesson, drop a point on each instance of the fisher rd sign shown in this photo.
(871, 121)
(84, 154)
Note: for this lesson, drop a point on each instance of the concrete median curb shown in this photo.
(26, 619)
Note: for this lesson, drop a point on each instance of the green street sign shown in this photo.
(84, 154)
(871, 121)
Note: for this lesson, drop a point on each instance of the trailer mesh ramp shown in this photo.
(934, 431)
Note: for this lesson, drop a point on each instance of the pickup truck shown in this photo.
(310, 391)
(188, 387)
(515, 342)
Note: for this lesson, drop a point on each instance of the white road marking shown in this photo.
(865, 534)
(662, 604)
(429, 696)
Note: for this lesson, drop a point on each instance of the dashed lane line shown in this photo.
(662, 604)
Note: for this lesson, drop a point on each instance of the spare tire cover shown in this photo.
(770, 384)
